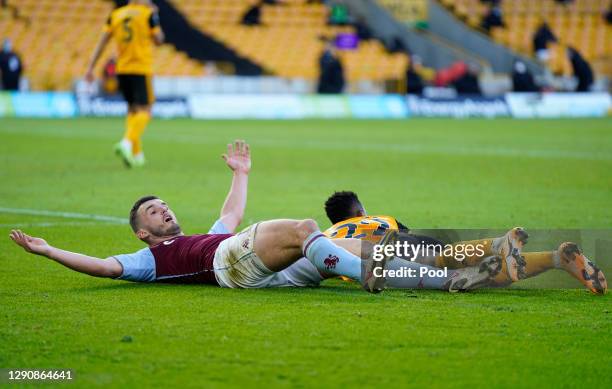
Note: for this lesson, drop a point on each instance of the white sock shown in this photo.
(330, 258)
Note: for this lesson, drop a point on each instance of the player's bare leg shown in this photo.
(279, 243)
(282, 242)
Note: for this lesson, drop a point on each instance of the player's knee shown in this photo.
(306, 227)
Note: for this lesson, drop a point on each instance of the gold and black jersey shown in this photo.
(370, 228)
(132, 28)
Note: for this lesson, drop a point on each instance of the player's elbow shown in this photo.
(109, 268)
(159, 39)
(237, 220)
(231, 221)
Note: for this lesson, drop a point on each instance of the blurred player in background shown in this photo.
(135, 29)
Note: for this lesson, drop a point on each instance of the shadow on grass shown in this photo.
(187, 287)
(332, 288)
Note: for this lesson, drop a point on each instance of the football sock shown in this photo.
(536, 263)
(137, 147)
(139, 124)
(330, 258)
(414, 280)
(470, 260)
(129, 124)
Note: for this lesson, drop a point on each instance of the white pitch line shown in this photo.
(53, 224)
(65, 215)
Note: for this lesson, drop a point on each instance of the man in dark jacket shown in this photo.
(252, 16)
(542, 37)
(10, 67)
(493, 18)
(582, 70)
(414, 81)
(468, 84)
(331, 76)
(522, 80)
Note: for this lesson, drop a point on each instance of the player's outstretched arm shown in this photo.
(238, 159)
(159, 38)
(89, 76)
(79, 262)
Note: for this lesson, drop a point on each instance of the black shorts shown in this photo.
(136, 89)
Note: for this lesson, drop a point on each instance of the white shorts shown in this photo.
(237, 266)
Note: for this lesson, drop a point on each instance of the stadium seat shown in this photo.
(578, 24)
(288, 42)
(53, 59)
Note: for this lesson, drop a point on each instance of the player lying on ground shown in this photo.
(135, 29)
(272, 253)
(350, 220)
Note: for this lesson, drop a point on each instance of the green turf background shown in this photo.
(428, 173)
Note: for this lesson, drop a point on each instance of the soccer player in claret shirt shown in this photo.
(351, 220)
(275, 253)
(135, 29)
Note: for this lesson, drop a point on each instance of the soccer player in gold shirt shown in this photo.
(135, 29)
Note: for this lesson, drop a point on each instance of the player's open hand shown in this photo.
(89, 76)
(29, 243)
(238, 156)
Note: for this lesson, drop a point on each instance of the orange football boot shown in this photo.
(573, 261)
(509, 247)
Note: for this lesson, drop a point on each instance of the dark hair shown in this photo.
(340, 206)
(134, 210)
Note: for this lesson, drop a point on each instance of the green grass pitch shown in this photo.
(427, 173)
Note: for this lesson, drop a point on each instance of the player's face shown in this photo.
(156, 219)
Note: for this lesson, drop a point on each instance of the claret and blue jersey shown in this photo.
(183, 259)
